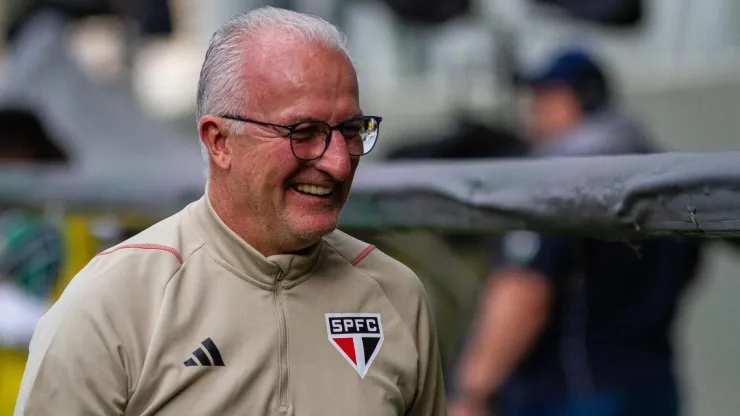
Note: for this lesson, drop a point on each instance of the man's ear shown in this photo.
(213, 133)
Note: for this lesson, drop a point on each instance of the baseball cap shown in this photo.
(570, 66)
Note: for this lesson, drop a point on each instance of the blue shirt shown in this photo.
(612, 316)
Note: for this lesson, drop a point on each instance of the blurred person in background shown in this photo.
(30, 262)
(249, 301)
(572, 326)
(31, 257)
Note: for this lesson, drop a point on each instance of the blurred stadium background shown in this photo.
(678, 68)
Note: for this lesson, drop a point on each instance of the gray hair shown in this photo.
(219, 88)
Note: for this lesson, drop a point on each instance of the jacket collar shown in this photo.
(244, 259)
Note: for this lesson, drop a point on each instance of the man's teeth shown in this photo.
(313, 189)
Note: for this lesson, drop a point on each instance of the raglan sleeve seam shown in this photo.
(423, 303)
(395, 310)
(166, 285)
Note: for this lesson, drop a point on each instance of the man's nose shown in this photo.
(336, 160)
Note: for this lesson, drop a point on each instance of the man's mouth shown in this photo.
(315, 190)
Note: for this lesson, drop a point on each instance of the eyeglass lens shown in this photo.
(309, 139)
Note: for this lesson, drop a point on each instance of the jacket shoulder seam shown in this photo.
(361, 255)
(145, 246)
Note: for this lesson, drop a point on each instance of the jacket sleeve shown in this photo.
(76, 363)
(430, 393)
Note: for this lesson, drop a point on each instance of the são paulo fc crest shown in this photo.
(357, 336)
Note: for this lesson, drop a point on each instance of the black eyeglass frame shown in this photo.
(327, 140)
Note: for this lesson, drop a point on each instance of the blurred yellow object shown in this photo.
(13, 363)
(80, 247)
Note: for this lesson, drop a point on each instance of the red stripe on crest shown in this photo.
(348, 346)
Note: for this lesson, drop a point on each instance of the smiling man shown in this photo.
(249, 301)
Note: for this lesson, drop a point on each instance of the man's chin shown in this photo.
(311, 228)
(315, 233)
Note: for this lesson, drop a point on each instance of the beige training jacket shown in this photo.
(186, 319)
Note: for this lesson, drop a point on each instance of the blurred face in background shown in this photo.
(550, 111)
(292, 202)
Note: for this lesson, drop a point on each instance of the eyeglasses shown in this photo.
(310, 139)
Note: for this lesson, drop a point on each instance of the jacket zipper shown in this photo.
(282, 344)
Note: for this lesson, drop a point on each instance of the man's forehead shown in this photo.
(290, 59)
(280, 69)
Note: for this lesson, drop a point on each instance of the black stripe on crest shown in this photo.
(370, 344)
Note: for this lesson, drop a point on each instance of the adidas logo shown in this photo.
(202, 357)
